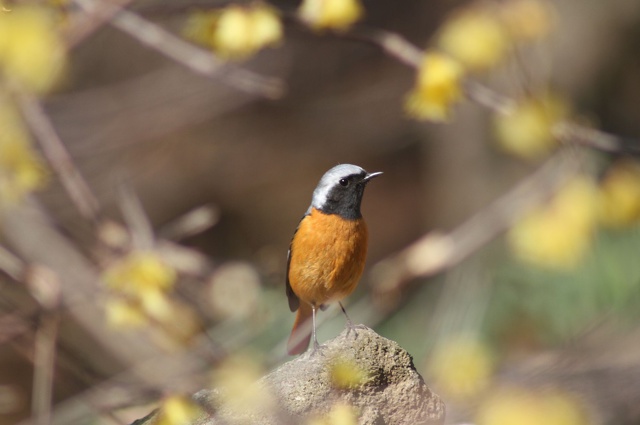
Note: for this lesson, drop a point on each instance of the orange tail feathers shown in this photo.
(301, 333)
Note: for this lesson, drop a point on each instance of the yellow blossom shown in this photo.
(139, 273)
(619, 195)
(156, 304)
(475, 37)
(346, 374)
(558, 234)
(330, 14)
(237, 377)
(124, 314)
(461, 366)
(340, 414)
(21, 169)
(236, 31)
(31, 50)
(527, 20)
(438, 87)
(21, 172)
(178, 410)
(518, 406)
(527, 132)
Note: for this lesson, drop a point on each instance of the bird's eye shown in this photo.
(344, 182)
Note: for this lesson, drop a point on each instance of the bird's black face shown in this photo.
(344, 195)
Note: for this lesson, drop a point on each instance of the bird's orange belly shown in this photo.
(327, 257)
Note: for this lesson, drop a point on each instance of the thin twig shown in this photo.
(570, 132)
(44, 362)
(11, 264)
(58, 157)
(192, 223)
(196, 59)
(438, 251)
(88, 25)
(137, 221)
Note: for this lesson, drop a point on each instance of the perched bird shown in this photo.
(328, 250)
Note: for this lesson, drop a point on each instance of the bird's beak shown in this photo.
(372, 176)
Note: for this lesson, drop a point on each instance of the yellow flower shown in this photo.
(437, 88)
(139, 273)
(527, 132)
(236, 31)
(527, 20)
(124, 314)
(619, 195)
(237, 377)
(330, 14)
(461, 366)
(340, 414)
(475, 37)
(518, 406)
(178, 410)
(21, 172)
(31, 51)
(557, 235)
(346, 374)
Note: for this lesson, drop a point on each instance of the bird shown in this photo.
(328, 250)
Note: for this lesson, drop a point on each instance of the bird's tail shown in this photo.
(301, 332)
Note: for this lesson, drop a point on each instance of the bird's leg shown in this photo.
(349, 322)
(313, 332)
(350, 325)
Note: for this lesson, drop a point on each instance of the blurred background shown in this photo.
(192, 186)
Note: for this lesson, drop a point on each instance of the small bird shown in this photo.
(328, 250)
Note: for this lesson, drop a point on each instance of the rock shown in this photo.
(389, 390)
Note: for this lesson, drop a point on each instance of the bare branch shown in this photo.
(87, 26)
(192, 223)
(11, 264)
(137, 221)
(198, 60)
(58, 157)
(438, 251)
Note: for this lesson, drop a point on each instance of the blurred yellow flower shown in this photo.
(558, 234)
(330, 14)
(236, 32)
(21, 169)
(156, 304)
(32, 53)
(178, 410)
(340, 414)
(438, 87)
(237, 378)
(619, 195)
(518, 406)
(124, 314)
(139, 273)
(346, 374)
(21, 172)
(475, 37)
(527, 20)
(527, 132)
(461, 366)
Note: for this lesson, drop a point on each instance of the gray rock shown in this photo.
(390, 390)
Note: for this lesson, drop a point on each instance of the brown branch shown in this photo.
(58, 157)
(438, 251)
(11, 264)
(196, 59)
(79, 32)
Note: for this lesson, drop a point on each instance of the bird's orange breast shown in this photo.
(328, 254)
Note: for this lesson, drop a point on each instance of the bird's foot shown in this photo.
(317, 349)
(351, 327)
